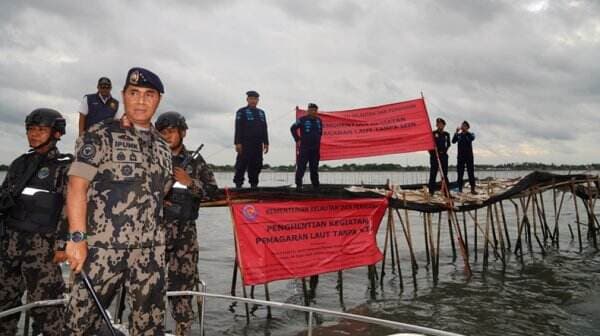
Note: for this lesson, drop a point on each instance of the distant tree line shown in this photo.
(353, 167)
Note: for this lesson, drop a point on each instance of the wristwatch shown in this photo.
(76, 236)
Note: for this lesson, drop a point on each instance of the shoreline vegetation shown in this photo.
(392, 167)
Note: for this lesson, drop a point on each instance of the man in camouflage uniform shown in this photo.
(194, 182)
(32, 204)
(117, 186)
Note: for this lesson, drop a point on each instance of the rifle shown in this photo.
(192, 157)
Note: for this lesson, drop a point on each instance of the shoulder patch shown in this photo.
(87, 151)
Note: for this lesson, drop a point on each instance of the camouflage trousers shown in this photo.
(26, 264)
(140, 270)
(182, 264)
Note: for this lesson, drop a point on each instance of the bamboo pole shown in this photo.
(394, 241)
(476, 224)
(465, 233)
(425, 236)
(385, 246)
(501, 238)
(508, 244)
(340, 287)
(431, 247)
(451, 237)
(406, 232)
(486, 243)
(577, 219)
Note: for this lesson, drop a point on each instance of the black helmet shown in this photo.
(170, 119)
(47, 117)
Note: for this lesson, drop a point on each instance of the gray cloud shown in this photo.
(525, 73)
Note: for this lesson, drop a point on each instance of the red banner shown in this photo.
(387, 129)
(288, 240)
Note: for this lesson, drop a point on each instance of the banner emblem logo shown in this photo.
(250, 212)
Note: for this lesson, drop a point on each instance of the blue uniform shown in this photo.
(251, 132)
(99, 110)
(442, 143)
(465, 158)
(308, 131)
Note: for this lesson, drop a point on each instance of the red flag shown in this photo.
(387, 129)
(287, 240)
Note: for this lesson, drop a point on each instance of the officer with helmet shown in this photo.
(31, 202)
(194, 182)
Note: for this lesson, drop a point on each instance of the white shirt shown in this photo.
(83, 107)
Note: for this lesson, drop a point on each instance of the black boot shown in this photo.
(254, 186)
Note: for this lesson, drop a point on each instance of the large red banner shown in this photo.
(387, 129)
(288, 240)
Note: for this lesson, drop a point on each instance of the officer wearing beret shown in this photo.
(98, 106)
(464, 137)
(307, 132)
(442, 144)
(31, 201)
(251, 141)
(194, 182)
(117, 186)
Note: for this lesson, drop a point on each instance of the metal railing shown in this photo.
(310, 310)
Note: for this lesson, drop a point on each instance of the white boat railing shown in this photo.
(288, 306)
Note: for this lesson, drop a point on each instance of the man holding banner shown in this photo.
(307, 131)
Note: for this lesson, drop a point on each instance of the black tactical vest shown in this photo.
(37, 209)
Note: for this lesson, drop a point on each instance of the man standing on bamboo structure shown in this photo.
(465, 139)
(251, 141)
(307, 132)
(442, 144)
(194, 182)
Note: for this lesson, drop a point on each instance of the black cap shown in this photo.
(47, 117)
(104, 81)
(144, 78)
(252, 93)
(467, 124)
(170, 119)
(313, 105)
(440, 120)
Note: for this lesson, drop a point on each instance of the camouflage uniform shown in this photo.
(182, 239)
(130, 172)
(35, 228)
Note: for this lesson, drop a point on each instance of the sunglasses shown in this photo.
(105, 86)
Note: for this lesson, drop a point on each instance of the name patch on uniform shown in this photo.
(87, 151)
(119, 144)
(43, 173)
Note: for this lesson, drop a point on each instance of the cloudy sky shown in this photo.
(525, 73)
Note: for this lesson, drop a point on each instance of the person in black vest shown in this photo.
(442, 144)
(251, 140)
(465, 139)
(33, 194)
(194, 182)
(308, 131)
(98, 106)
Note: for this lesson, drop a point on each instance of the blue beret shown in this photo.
(252, 93)
(144, 78)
